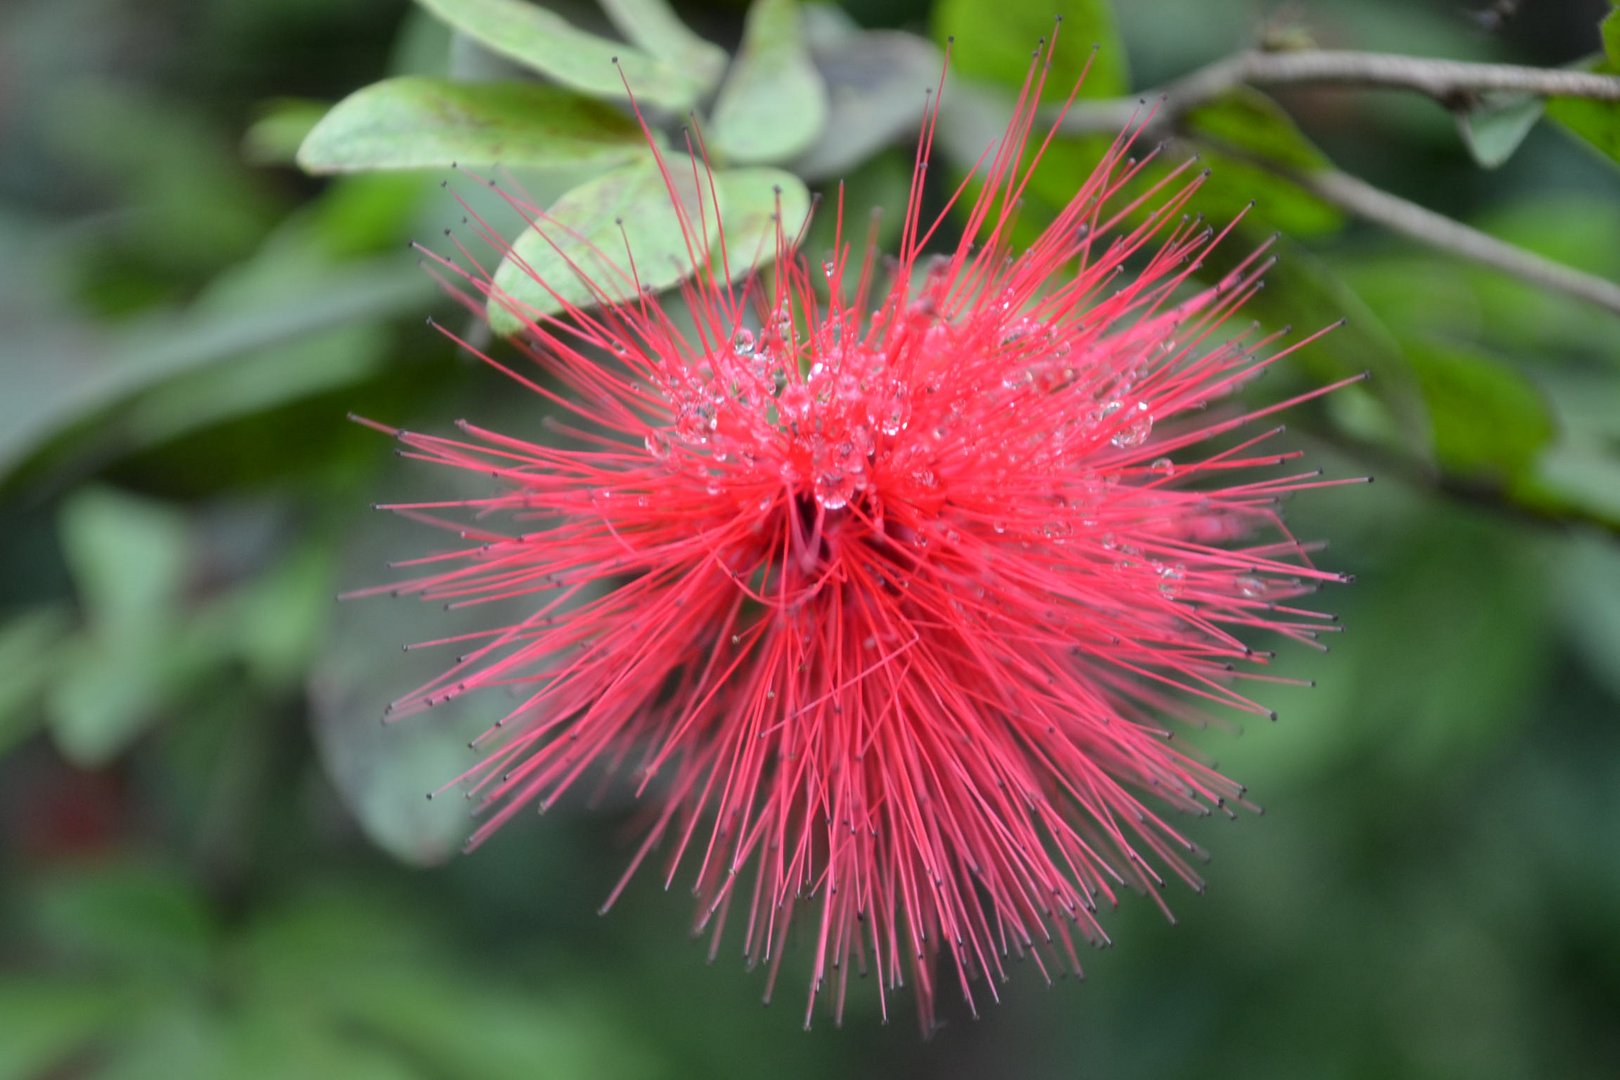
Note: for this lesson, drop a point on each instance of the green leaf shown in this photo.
(1595, 123)
(280, 621)
(1609, 31)
(129, 561)
(1245, 124)
(67, 381)
(652, 25)
(128, 557)
(774, 103)
(1487, 420)
(754, 201)
(1303, 291)
(995, 42)
(29, 646)
(49, 1023)
(417, 123)
(129, 916)
(1496, 127)
(876, 82)
(546, 42)
(574, 253)
(1270, 201)
(274, 138)
(1588, 572)
(1247, 120)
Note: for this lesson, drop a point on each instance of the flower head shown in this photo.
(883, 580)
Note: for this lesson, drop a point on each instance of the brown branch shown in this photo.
(1444, 234)
(1451, 82)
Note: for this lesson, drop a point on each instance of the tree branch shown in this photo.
(1453, 83)
(1442, 233)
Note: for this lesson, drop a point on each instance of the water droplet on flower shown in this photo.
(1163, 466)
(1170, 579)
(658, 444)
(1137, 427)
(1250, 585)
(794, 401)
(833, 489)
(999, 526)
(742, 342)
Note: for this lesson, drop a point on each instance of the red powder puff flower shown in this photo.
(885, 576)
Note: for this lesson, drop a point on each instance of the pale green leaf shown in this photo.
(756, 200)
(653, 26)
(544, 41)
(129, 559)
(1495, 128)
(417, 123)
(28, 655)
(774, 103)
(604, 241)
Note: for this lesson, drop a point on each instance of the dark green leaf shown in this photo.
(1232, 134)
(995, 42)
(1486, 419)
(124, 915)
(652, 25)
(49, 1023)
(193, 205)
(67, 381)
(1303, 291)
(546, 42)
(1589, 579)
(1595, 123)
(574, 253)
(1247, 120)
(416, 123)
(773, 105)
(1495, 128)
(1278, 203)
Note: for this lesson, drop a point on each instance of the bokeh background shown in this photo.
(215, 862)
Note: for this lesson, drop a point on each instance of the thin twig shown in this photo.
(1438, 231)
(1453, 83)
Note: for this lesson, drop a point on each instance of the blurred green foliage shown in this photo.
(215, 862)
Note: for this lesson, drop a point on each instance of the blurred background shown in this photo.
(215, 862)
